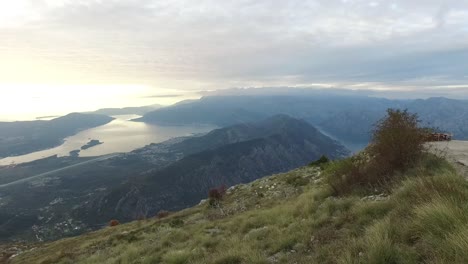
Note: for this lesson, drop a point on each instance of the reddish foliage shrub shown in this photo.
(114, 223)
(217, 193)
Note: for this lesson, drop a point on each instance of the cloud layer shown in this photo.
(218, 44)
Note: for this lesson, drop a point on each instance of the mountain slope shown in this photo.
(275, 145)
(245, 131)
(292, 218)
(140, 110)
(131, 185)
(349, 118)
(227, 110)
(445, 114)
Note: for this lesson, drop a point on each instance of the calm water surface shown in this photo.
(120, 135)
(354, 147)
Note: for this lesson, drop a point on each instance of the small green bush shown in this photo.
(297, 180)
(176, 223)
(320, 162)
(346, 175)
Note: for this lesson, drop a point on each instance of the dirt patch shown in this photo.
(455, 151)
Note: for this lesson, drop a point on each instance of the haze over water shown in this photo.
(120, 135)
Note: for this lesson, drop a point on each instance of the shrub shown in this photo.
(320, 162)
(215, 195)
(162, 214)
(114, 223)
(397, 141)
(297, 180)
(175, 223)
(343, 176)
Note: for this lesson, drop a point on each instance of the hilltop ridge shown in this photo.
(397, 201)
(293, 217)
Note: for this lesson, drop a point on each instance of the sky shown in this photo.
(70, 54)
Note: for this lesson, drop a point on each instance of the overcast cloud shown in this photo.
(210, 44)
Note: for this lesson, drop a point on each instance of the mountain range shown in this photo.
(166, 176)
(260, 135)
(228, 156)
(345, 117)
(139, 110)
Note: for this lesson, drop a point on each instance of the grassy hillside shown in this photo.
(420, 217)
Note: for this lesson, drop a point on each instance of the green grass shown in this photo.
(294, 218)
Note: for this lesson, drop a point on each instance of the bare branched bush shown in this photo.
(215, 196)
(114, 223)
(217, 193)
(398, 142)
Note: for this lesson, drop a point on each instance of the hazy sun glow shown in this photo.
(28, 101)
(58, 56)
(14, 13)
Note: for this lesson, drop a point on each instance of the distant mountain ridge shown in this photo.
(349, 118)
(242, 132)
(138, 110)
(22, 137)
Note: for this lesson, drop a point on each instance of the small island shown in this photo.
(75, 153)
(91, 143)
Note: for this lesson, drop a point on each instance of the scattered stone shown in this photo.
(377, 197)
(213, 231)
(230, 190)
(275, 258)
